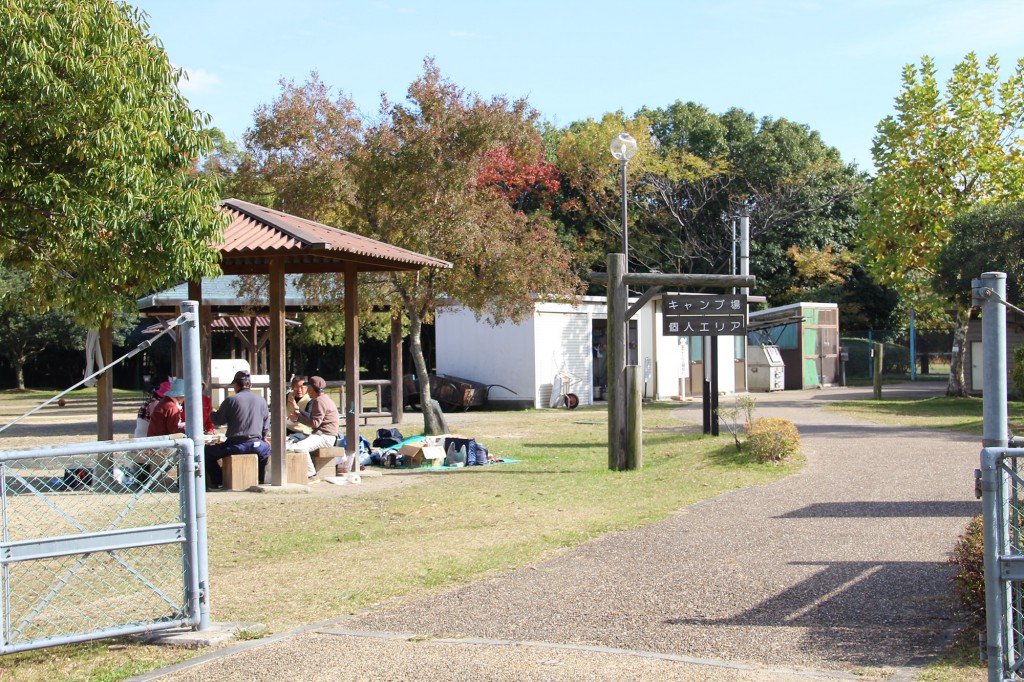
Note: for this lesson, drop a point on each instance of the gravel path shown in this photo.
(835, 573)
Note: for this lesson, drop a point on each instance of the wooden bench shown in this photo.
(295, 468)
(325, 461)
(240, 472)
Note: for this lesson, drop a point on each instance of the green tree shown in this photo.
(443, 173)
(797, 188)
(24, 334)
(99, 201)
(834, 275)
(987, 238)
(298, 151)
(591, 202)
(937, 157)
(424, 181)
(693, 172)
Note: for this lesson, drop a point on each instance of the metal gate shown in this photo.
(106, 539)
(1001, 480)
(98, 540)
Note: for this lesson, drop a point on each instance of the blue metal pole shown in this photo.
(994, 596)
(192, 361)
(990, 292)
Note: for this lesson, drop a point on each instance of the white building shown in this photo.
(522, 360)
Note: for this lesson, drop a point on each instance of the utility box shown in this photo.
(766, 372)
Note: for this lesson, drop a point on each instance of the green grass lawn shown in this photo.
(307, 558)
(954, 414)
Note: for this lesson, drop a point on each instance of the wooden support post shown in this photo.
(634, 421)
(878, 351)
(105, 383)
(195, 293)
(353, 395)
(706, 384)
(277, 379)
(713, 340)
(617, 339)
(397, 386)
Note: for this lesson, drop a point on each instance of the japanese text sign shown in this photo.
(704, 315)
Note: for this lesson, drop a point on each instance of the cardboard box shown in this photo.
(422, 455)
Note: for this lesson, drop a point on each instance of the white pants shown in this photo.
(314, 442)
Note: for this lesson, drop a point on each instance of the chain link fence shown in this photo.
(931, 352)
(99, 540)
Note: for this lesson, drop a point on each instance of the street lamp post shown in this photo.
(623, 148)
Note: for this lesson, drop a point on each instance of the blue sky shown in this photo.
(834, 65)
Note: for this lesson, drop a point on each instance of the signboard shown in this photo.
(704, 315)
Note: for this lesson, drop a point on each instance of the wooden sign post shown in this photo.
(625, 444)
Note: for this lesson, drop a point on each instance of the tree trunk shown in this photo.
(957, 387)
(431, 422)
(19, 371)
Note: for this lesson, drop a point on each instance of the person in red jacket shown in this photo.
(167, 417)
(208, 426)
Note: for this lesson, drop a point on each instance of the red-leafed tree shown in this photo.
(526, 184)
(451, 175)
(443, 173)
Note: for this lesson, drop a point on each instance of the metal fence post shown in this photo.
(995, 598)
(990, 292)
(993, 334)
(192, 361)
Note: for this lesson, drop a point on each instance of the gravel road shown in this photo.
(835, 573)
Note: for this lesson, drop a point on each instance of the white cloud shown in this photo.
(194, 81)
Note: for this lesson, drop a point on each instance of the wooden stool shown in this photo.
(295, 468)
(325, 461)
(241, 472)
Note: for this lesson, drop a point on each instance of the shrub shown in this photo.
(1017, 372)
(773, 439)
(738, 418)
(969, 581)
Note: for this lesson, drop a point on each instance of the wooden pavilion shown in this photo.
(264, 241)
(232, 314)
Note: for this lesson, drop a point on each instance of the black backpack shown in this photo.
(387, 438)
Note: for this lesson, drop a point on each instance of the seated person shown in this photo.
(146, 411)
(248, 420)
(298, 399)
(322, 416)
(208, 426)
(167, 417)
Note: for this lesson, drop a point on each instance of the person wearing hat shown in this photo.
(321, 415)
(167, 418)
(248, 420)
(145, 412)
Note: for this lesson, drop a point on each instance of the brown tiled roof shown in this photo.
(257, 234)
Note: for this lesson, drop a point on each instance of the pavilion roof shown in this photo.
(257, 235)
(222, 293)
(226, 324)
